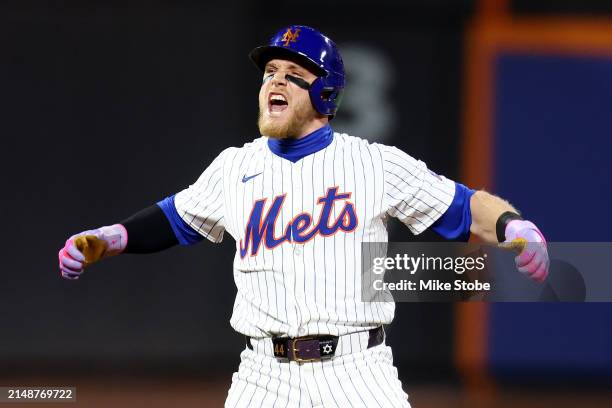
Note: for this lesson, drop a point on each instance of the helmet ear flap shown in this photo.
(336, 97)
(333, 95)
(325, 96)
(328, 94)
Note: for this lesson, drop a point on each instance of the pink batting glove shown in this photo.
(72, 261)
(533, 258)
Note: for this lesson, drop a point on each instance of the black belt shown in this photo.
(314, 348)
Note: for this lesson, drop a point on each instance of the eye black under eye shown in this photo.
(298, 81)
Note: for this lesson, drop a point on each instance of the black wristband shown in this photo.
(500, 225)
(149, 231)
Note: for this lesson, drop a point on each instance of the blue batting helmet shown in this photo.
(315, 52)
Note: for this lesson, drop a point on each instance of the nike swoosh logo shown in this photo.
(245, 178)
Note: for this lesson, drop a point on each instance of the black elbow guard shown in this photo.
(149, 231)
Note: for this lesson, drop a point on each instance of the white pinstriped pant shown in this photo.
(364, 378)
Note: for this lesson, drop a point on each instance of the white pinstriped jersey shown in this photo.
(299, 227)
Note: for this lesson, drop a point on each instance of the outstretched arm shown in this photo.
(147, 231)
(486, 210)
(495, 220)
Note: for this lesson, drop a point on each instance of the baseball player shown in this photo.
(299, 201)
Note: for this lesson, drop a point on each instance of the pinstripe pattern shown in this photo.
(364, 379)
(313, 287)
(298, 289)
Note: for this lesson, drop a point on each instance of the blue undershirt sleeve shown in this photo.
(185, 234)
(455, 223)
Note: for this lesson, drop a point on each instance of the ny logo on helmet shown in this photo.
(290, 36)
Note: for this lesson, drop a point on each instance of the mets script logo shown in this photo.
(290, 36)
(260, 228)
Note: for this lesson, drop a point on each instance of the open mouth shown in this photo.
(277, 103)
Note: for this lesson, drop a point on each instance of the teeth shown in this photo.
(278, 98)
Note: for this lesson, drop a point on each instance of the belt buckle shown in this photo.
(296, 357)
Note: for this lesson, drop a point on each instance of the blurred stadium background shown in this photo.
(108, 107)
